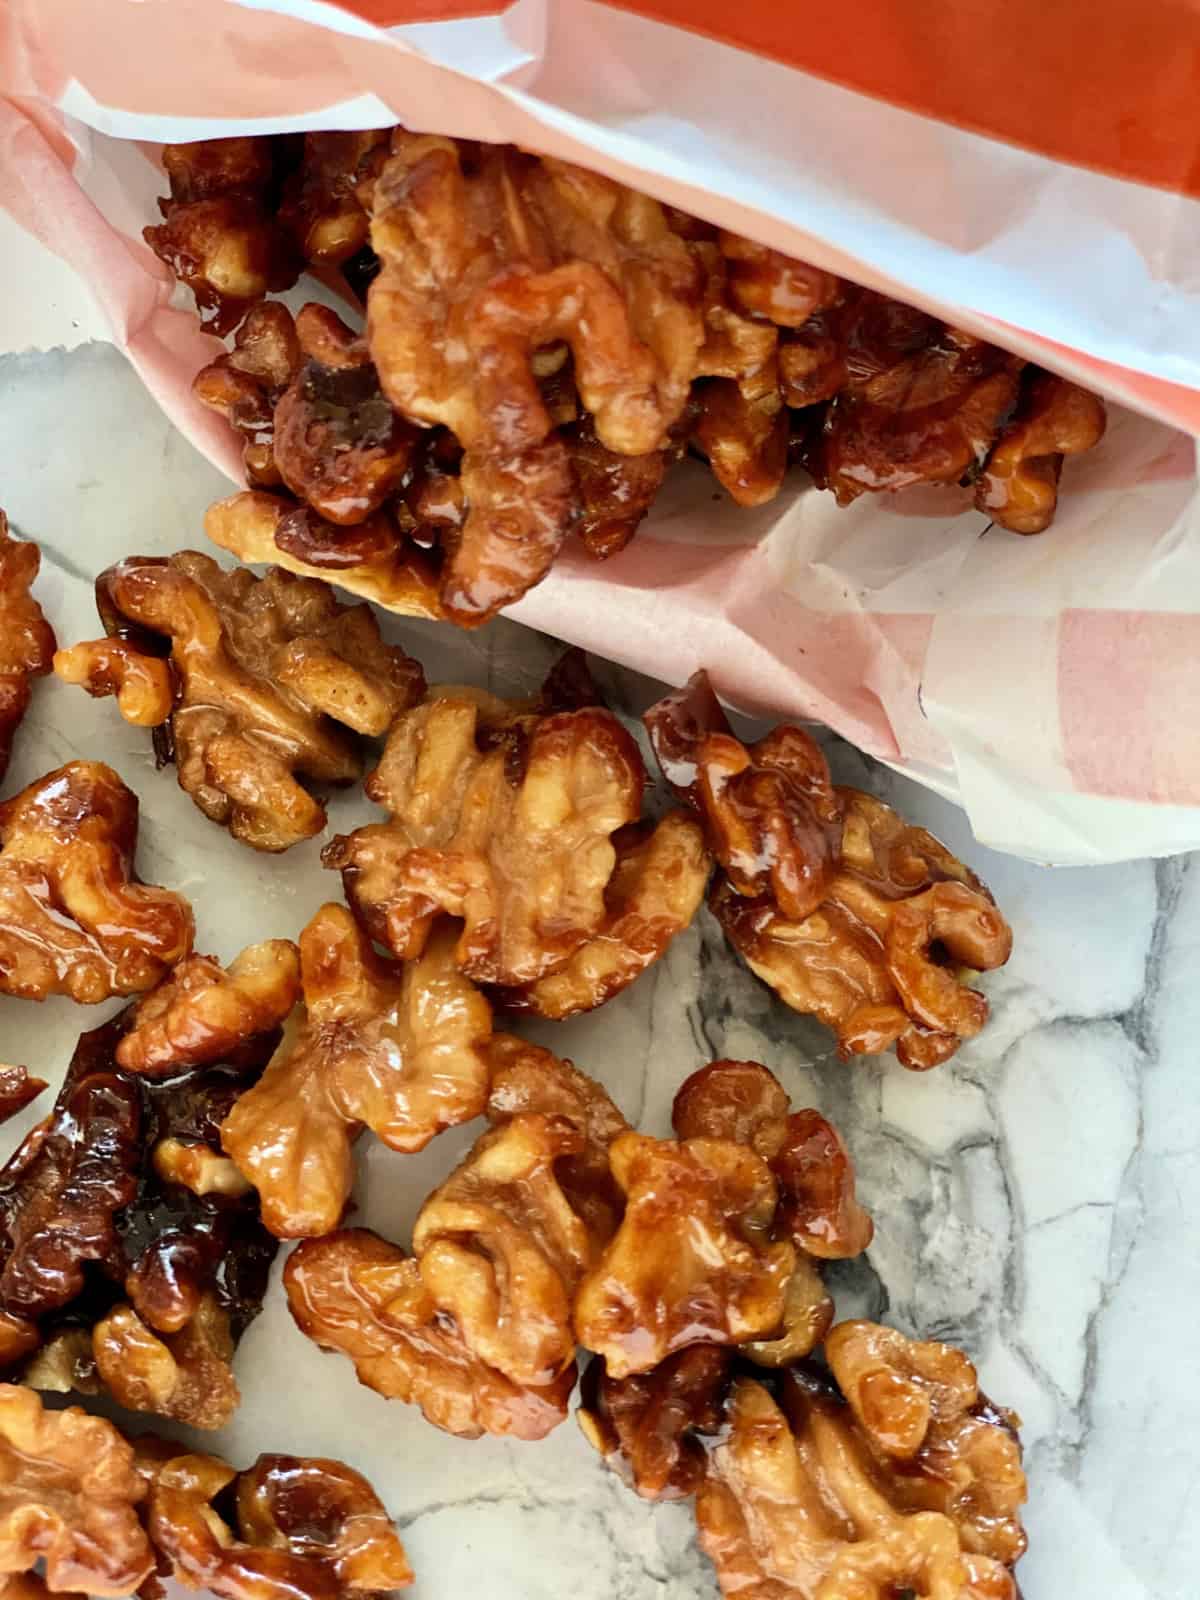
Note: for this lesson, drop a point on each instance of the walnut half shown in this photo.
(74, 918)
(269, 681)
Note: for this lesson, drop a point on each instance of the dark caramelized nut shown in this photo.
(647, 1425)
(502, 819)
(803, 1500)
(74, 918)
(399, 1049)
(837, 903)
(338, 444)
(68, 1498)
(246, 384)
(355, 1293)
(17, 1089)
(1018, 487)
(26, 638)
(324, 201)
(273, 681)
(306, 1527)
(218, 235)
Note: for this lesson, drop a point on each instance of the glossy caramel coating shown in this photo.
(306, 1528)
(355, 1293)
(1018, 487)
(246, 383)
(183, 1374)
(745, 440)
(655, 890)
(18, 1087)
(74, 917)
(766, 283)
(68, 1498)
(810, 1497)
(323, 205)
(271, 680)
(650, 1425)
(26, 638)
(399, 1049)
(500, 817)
(338, 445)
(489, 256)
(203, 1013)
(837, 903)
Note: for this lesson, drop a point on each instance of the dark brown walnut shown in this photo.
(376, 559)
(656, 889)
(923, 403)
(1018, 487)
(271, 681)
(526, 1078)
(693, 1260)
(202, 1013)
(219, 234)
(400, 1049)
(26, 638)
(297, 1526)
(338, 445)
(651, 1425)
(501, 818)
(68, 1499)
(843, 908)
(904, 1481)
(490, 256)
(355, 1293)
(769, 809)
(323, 200)
(125, 1268)
(18, 1087)
(614, 491)
(246, 384)
(74, 917)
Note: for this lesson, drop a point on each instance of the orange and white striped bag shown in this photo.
(1029, 170)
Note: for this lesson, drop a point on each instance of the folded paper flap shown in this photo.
(972, 658)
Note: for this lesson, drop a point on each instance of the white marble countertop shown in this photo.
(1034, 1199)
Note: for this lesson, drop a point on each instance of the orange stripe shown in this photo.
(1113, 85)
(389, 13)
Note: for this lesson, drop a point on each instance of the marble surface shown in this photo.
(1034, 1199)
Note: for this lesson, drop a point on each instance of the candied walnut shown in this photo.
(338, 444)
(26, 638)
(273, 680)
(488, 257)
(198, 1168)
(923, 403)
(18, 1087)
(501, 1249)
(813, 356)
(140, 1280)
(655, 891)
(246, 384)
(305, 1526)
(203, 1013)
(218, 234)
(504, 821)
(769, 809)
(766, 283)
(397, 1048)
(323, 207)
(614, 491)
(745, 440)
(802, 1498)
(692, 1260)
(142, 685)
(185, 1375)
(355, 1293)
(372, 559)
(1018, 487)
(846, 911)
(650, 1424)
(67, 1498)
(527, 1078)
